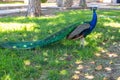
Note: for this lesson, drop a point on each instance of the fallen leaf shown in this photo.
(99, 67)
(92, 62)
(114, 55)
(77, 72)
(98, 54)
(108, 69)
(80, 67)
(111, 62)
(118, 78)
(78, 62)
(27, 62)
(75, 77)
(105, 78)
(89, 76)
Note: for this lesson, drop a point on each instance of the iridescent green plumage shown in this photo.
(50, 39)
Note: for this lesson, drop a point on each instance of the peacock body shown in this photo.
(71, 32)
(84, 29)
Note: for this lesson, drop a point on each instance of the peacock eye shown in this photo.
(24, 45)
(14, 46)
(31, 43)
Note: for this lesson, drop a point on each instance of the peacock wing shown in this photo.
(78, 30)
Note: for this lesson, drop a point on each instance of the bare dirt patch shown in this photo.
(106, 66)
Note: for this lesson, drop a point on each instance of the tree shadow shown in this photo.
(46, 26)
(49, 56)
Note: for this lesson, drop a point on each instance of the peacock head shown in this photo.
(94, 7)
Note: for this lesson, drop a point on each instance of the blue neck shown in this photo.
(93, 21)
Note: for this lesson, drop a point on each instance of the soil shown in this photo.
(105, 66)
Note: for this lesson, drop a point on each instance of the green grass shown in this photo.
(50, 63)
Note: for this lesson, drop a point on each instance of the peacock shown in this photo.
(83, 30)
(73, 31)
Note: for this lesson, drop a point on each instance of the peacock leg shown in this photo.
(82, 42)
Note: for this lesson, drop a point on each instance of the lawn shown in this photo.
(55, 61)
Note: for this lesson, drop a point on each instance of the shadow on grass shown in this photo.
(106, 40)
(59, 56)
